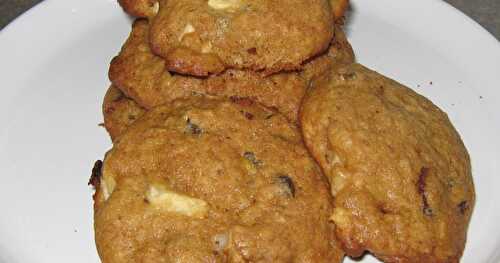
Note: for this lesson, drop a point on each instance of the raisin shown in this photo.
(424, 172)
(193, 128)
(287, 183)
(247, 115)
(381, 90)
(252, 158)
(252, 51)
(95, 177)
(241, 101)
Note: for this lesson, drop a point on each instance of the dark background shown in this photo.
(485, 12)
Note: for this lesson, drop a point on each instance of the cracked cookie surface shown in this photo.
(399, 172)
(212, 180)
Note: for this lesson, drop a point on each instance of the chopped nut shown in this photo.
(221, 241)
(228, 5)
(206, 48)
(188, 29)
(332, 158)
(340, 217)
(249, 166)
(348, 76)
(108, 185)
(156, 8)
(169, 201)
(338, 182)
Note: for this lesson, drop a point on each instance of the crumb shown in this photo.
(430, 83)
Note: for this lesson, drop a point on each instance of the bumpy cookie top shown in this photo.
(134, 70)
(143, 76)
(212, 180)
(200, 37)
(149, 8)
(398, 170)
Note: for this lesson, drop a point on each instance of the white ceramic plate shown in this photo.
(53, 75)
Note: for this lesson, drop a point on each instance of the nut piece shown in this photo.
(169, 201)
(108, 184)
(340, 217)
(156, 8)
(206, 48)
(224, 4)
(188, 29)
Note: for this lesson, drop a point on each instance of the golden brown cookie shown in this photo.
(212, 180)
(339, 54)
(119, 112)
(200, 37)
(140, 8)
(143, 77)
(398, 170)
(149, 8)
(339, 8)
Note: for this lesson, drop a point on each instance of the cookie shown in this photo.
(143, 76)
(140, 8)
(199, 37)
(212, 180)
(398, 170)
(340, 53)
(339, 8)
(149, 8)
(119, 112)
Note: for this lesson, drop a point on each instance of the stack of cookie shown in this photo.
(244, 131)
